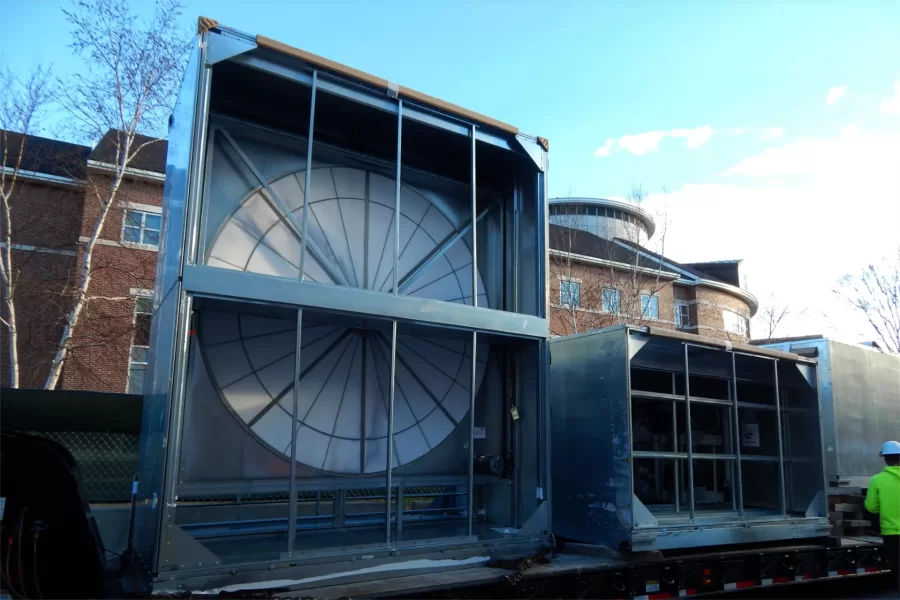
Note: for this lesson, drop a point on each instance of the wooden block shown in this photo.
(851, 523)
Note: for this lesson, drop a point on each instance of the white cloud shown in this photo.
(771, 133)
(695, 137)
(800, 234)
(605, 149)
(852, 151)
(835, 94)
(891, 106)
(640, 144)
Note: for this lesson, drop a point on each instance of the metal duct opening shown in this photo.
(342, 421)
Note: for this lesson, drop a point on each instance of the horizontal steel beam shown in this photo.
(280, 67)
(237, 285)
(682, 455)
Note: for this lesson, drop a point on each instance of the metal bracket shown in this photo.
(222, 46)
(181, 551)
(537, 522)
(817, 508)
(641, 516)
(533, 149)
(636, 343)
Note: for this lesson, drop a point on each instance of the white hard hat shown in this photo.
(889, 448)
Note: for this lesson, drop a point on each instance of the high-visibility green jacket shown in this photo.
(883, 499)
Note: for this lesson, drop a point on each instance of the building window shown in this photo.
(650, 306)
(137, 361)
(735, 323)
(682, 315)
(569, 293)
(141, 228)
(611, 300)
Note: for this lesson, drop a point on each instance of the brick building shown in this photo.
(603, 274)
(53, 209)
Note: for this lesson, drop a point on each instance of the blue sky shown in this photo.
(721, 77)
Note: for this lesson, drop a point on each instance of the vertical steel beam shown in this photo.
(172, 474)
(739, 487)
(676, 471)
(472, 430)
(474, 233)
(308, 177)
(390, 436)
(396, 286)
(517, 192)
(292, 486)
(687, 430)
(782, 498)
(292, 489)
(399, 513)
(197, 165)
(474, 340)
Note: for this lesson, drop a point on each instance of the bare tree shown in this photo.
(646, 272)
(21, 105)
(600, 269)
(875, 292)
(771, 315)
(126, 93)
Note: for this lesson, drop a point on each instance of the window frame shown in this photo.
(142, 228)
(618, 300)
(134, 365)
(567, 283)
(736, 323)
(645, 314)
(682, 321)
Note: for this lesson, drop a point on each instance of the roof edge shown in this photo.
(642, 215)
(402, 91)
(750, 299)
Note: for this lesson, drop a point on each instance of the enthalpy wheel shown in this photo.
(345, 371)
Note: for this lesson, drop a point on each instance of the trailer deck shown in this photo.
(584, 571)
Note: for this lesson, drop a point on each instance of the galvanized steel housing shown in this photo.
(348, 349)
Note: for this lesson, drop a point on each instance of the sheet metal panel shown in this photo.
(155, 412)
(859, 398)
(590, 437)
(865, 393)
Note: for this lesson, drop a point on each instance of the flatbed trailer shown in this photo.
(584, 571)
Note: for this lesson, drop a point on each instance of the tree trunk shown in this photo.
(81, 294)
(7, 282)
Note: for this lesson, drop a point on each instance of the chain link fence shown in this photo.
(107, 461)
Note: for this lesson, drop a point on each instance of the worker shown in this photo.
(883, 499)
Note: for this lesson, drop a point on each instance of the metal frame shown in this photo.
(199, 281)
(586, 363)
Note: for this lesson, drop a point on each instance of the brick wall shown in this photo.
(593, 278)
(50, 217)
(102, 341)
(709, 306)
(46, 217)
(705, 304)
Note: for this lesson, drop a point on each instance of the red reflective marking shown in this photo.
(846, 572)
(744, 584)
(873, 570)
(690, 591)
(780, 579)
(807, 576)
(660, 596)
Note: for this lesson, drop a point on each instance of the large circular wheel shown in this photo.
(342, 420)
